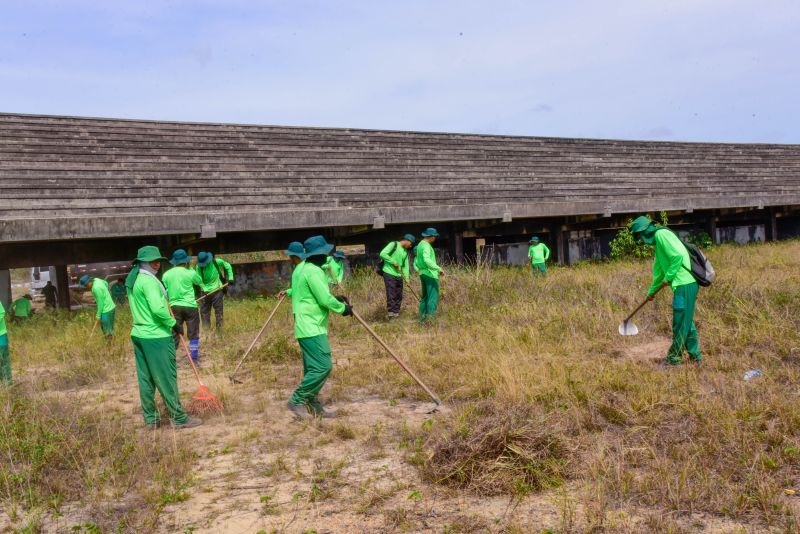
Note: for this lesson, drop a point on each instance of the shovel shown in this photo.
(626, 327)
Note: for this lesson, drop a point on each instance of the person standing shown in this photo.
(672, 267)
(334, 268)
(214, 273)
(106, 309)
(5, 352)
(429, 271)
(118, 293)
(312, 301)
(50, 295)
(21, 309)
(180, 282)
(538, 254)
(395, 271)
(153, 345)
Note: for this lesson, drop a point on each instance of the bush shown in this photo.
(626, 246)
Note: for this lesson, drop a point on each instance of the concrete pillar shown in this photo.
(772, 226)
(458, 246)
(562, 246)
(5, 288)
(711, 228)
(62, 285)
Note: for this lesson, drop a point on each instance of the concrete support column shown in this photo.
(458, 246)
(562, 246)
(5, 288)
(711, 228)
(772, 226)
(62, 285)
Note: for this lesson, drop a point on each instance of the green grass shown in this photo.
(544, 393)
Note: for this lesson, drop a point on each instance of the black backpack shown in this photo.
(701, 269)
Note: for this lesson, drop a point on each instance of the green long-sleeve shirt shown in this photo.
(334, 270)
(672, 263)
(312, 301)
(295, 274)
(538, 253)
(210, 275)
(102, 296)
(180, 282)
(21, 307)
(2, 320)
(394, 255)
(151, 317)
(425, 261)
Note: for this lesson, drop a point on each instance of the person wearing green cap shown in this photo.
(296, 253)
(106, 309)
(538, 254)
(312, 301)
(153, 345)
(180, 282)
(21, 309)
(5, 353)
(429, 271)
(395, 271)
(672, 267)
(334, 268)
(118, 293)
(214, 273)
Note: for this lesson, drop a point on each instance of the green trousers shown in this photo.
(107, 322)
(156, 369)
(317, 365)
(429, 299)
(5, 361)
(539, 268)
(684, 332)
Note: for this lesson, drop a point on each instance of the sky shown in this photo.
(694, 70)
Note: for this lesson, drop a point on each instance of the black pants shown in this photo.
(191, 318)
(394, 292)
(213, 300)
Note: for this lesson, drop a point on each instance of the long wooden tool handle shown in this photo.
(258, 336)
(397, 358)
(223, 286)
(413, 292)
(628, 318)
(188, 352)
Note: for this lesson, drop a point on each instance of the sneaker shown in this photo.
(319, 411)
(299, 411)
(191, 422)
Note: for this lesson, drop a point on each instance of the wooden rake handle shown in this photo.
(220, 288)
(258, 336)
(188, 352)
(397, 358)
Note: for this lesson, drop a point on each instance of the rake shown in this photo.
(220, 288)
(253, 344)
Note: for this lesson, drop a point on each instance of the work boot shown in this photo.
(319, 411)
(191, 422)
(152, 426)
(299, 411)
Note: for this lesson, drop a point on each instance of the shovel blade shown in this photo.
(627, 328)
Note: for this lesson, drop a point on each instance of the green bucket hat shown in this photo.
(147, 254)
(84, 281)
(640, 224)
(180, 257)
(410, 238)
(430, 232)
(295, 248)
(317, 246)
(534, 239)
(204, 258)
(339, 255)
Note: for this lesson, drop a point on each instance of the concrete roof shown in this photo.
(84, 178)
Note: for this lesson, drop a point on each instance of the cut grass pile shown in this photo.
(545, 393)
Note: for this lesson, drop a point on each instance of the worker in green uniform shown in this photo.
(672, 267)
(296, 252)
(180, 282)
(395, 271)
(153, 345)
(106, 309)
(214, 273)
(538, 254)
(334, 268)
(5, 353)
(429, 271)
(118, 293)
(21, 309)
(311, 303)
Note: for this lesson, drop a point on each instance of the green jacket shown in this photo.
(180, 282)
(151, 317)
(425, 261)
(295, 274)
(21, 307)
(102, 296)
(3, 329)
(311, 301)
(394, 254)
(210, 275)
(538, 253)
(672, 263)
(332, 265)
